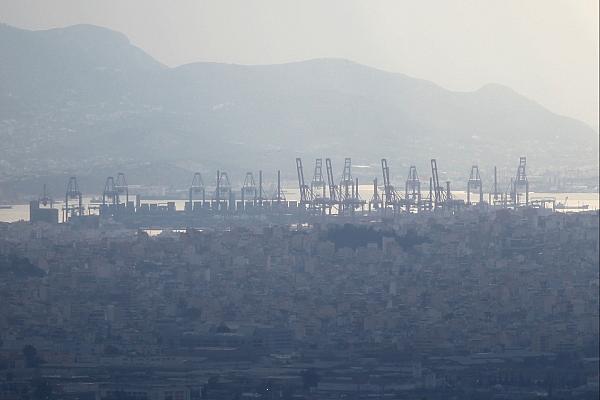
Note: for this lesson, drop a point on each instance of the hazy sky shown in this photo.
(544, 49)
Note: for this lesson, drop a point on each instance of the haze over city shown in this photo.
(304, 200)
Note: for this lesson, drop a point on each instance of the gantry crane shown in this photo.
(110, 194)
(305, 193)
(391, 198)
(412, 190)
(249, 190)
(520, 184)
(72, 193)
(474, 183)
(121, 187)
(197, 186)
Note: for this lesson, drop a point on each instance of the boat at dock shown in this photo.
(564, 206)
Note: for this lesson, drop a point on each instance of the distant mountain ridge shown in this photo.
(83, 98)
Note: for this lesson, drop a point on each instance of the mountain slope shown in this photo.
(83, 98)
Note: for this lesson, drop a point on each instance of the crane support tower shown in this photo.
(520, 185)
(279, 196)
(347, 183)
(412, 189)
(440, 196)
(72, 193)
(334, 197)
(318, 185)
(110, 195)
(495, 183)
(197, 186)
(249, 191)
(376, 201)
(223, 195)
(122, 187)
(474, 184)
(390, 196)
(260, 189)
(304, 189)
(430, 198)
(350, 199)
(318, 188)
(346, 186)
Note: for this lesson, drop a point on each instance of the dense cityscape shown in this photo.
(480, 304)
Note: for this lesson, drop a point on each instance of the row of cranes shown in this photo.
(323, 195)
(413, 199)
(329, 197)
(223, 197)
(115, 189)
(517, 192)
(113, 193)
